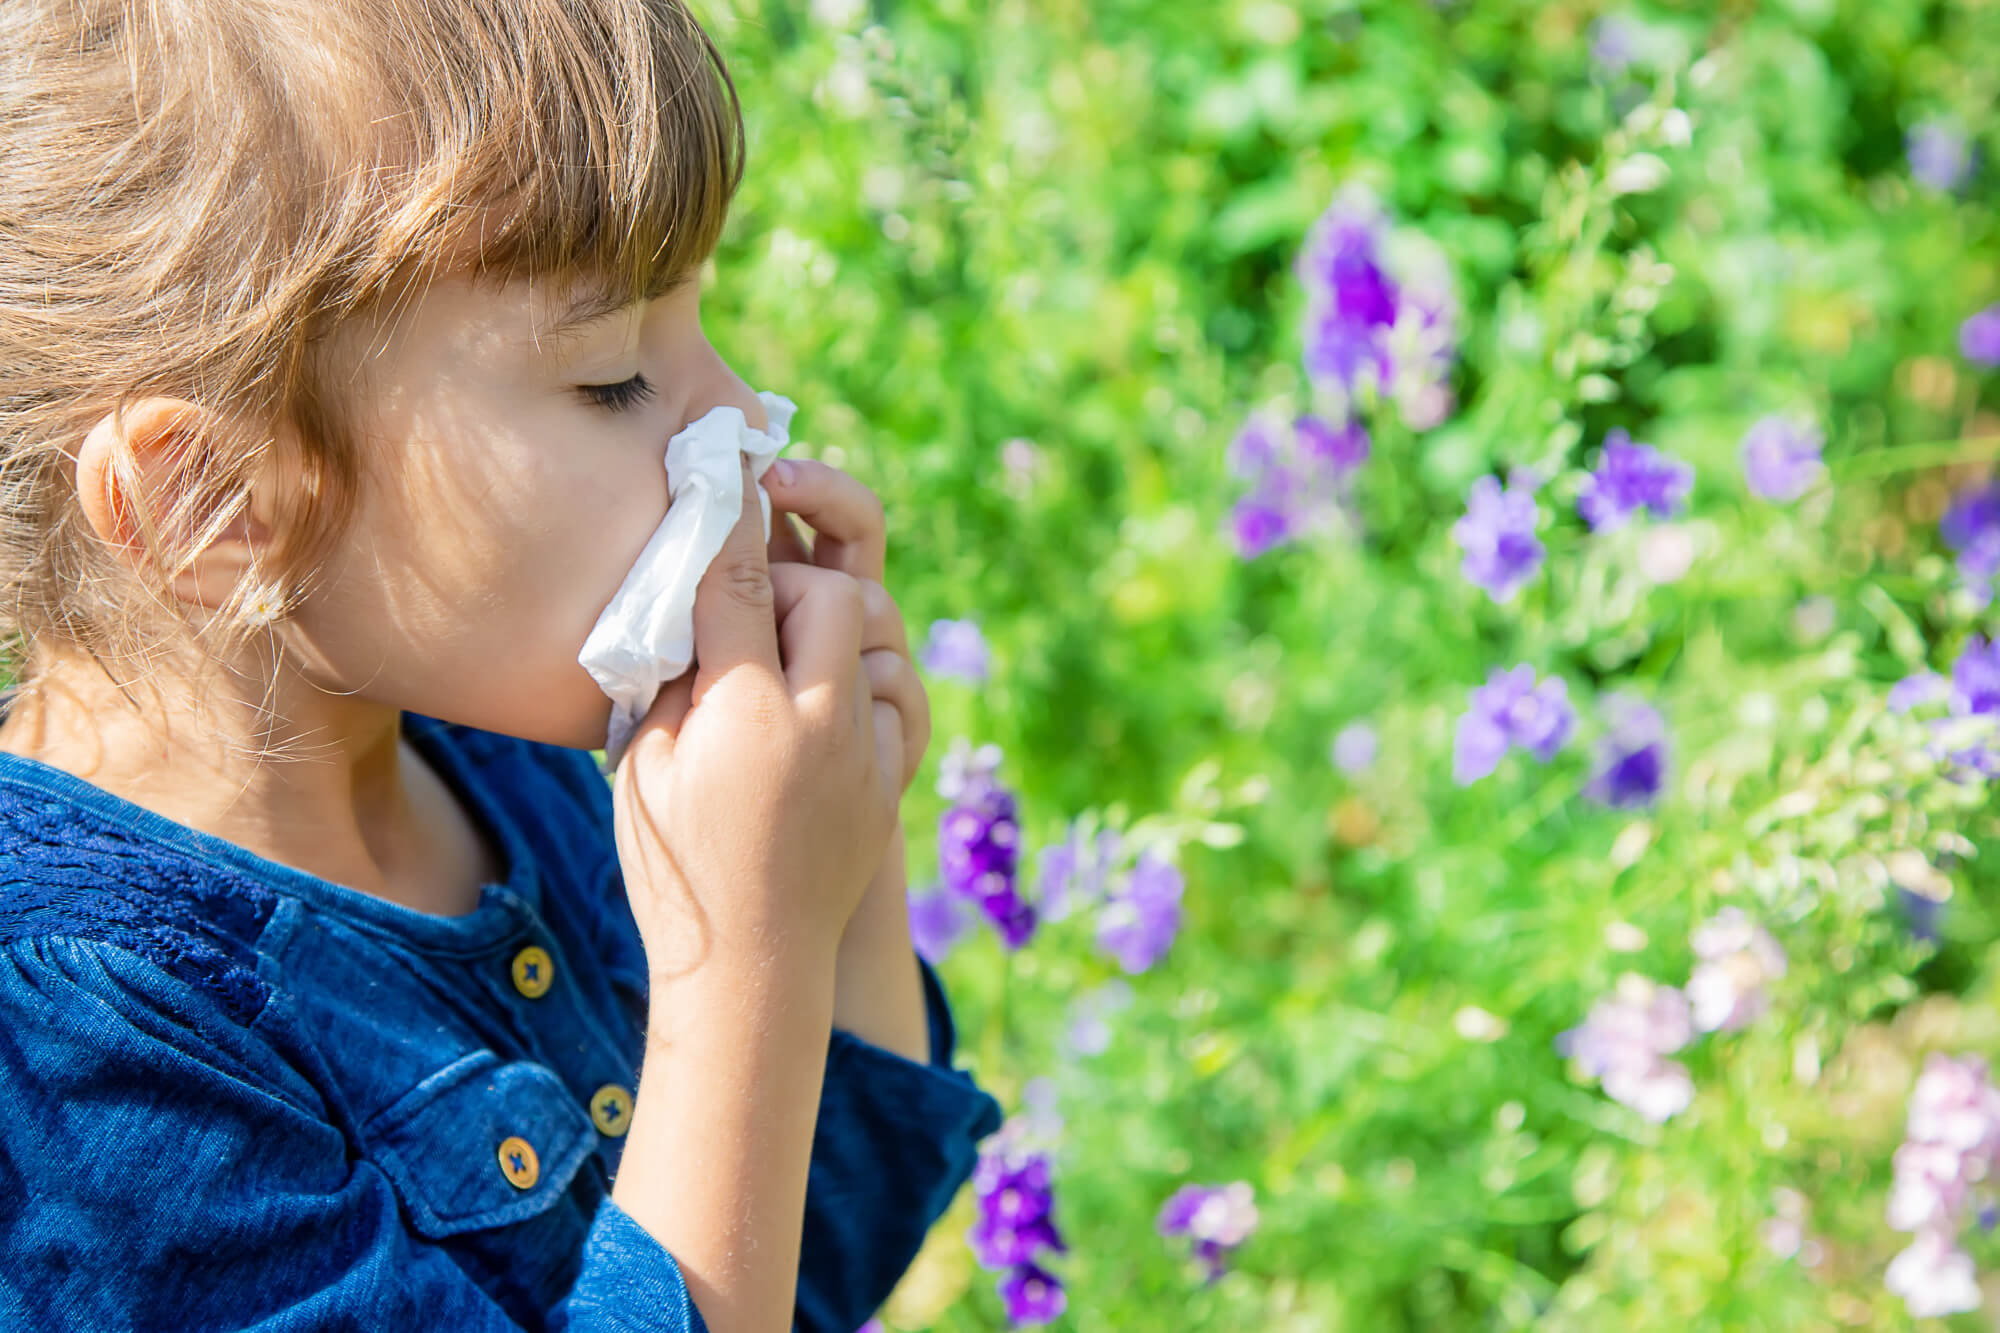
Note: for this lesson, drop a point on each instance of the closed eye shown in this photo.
(618, 397)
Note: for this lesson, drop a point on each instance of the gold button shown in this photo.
(534, 971)
(518, 1162)
(611, 1109)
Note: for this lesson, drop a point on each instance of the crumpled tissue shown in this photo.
(645, 636)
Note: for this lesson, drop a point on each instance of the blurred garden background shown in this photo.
(1452, 546)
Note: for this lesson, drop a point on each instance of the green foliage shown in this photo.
(1069, 229)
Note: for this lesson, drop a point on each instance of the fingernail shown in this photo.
(784, 472)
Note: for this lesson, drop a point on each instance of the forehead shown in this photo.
(476, 318)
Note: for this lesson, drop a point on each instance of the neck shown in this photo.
(322, 783)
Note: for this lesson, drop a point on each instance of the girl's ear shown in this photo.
(145, 482)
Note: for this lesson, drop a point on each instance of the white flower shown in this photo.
(1933, 1277)
(1641, 173)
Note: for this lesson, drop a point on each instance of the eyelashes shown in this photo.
(618, 397)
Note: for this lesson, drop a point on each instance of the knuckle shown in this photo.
(877, 602)
(745, 576)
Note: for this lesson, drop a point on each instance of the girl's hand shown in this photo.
(755, 800)
(850, 535)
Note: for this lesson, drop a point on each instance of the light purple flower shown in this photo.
(1979, 337)
(979, 840)
(1354, 748)
(1498, 537)
(1217, 1218)
(957, 648)
(1940, 154)
(1781, 457)
(1032, 1295)
(1631, 477)
(1616, 41)
(1631, 765)
(1625, 1040)
(1300, 479)
(1073, 872)
(1738, 959)
(1951, 1144)
(1955, 1104)
(1138, 922)
(1511, 709)
(1916, 690)
(1929, 1188)
(936, 922)
(1934, 1277)
(1090, 1015)
(1337, 449)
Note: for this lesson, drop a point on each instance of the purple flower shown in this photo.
(1631, 477)
(1354, 748)
(1738, 958)
(1979, 337)
(1781, 458)
(1923, 912)
(1381, 316)
(1511, 709)
(936, 922)
(1338, 449)
(1299, 477)
(979, 840)
(956, 648)
(1625, 1040)
(1971, 527)
(1940, 155)
(1016, 1224)
(1032, 1295)
(1632, 757)
(1139, 922)
(1071, 872)
(1497, 535)
(1217, 1218)
(1015, 1213)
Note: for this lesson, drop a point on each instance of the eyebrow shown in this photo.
(600, 303)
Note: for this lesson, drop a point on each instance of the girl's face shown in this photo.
(513, 478)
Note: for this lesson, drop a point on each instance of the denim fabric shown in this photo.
(234, 1095)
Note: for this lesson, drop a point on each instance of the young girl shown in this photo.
(338, 989)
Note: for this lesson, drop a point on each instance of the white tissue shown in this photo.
(645, 636)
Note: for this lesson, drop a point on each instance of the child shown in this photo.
(338, 989)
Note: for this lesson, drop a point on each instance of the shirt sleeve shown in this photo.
(163, 1167)
(895, 1141)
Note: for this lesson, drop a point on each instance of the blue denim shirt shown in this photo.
(235, 1095)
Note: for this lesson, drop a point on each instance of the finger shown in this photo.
(845, 516)
(882, 622)
(734, 602)
(819, 613)
(889, 748)
(892, 680)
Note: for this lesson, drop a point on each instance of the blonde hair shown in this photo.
(194, 194)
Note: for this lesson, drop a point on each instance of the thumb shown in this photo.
(734, 620)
